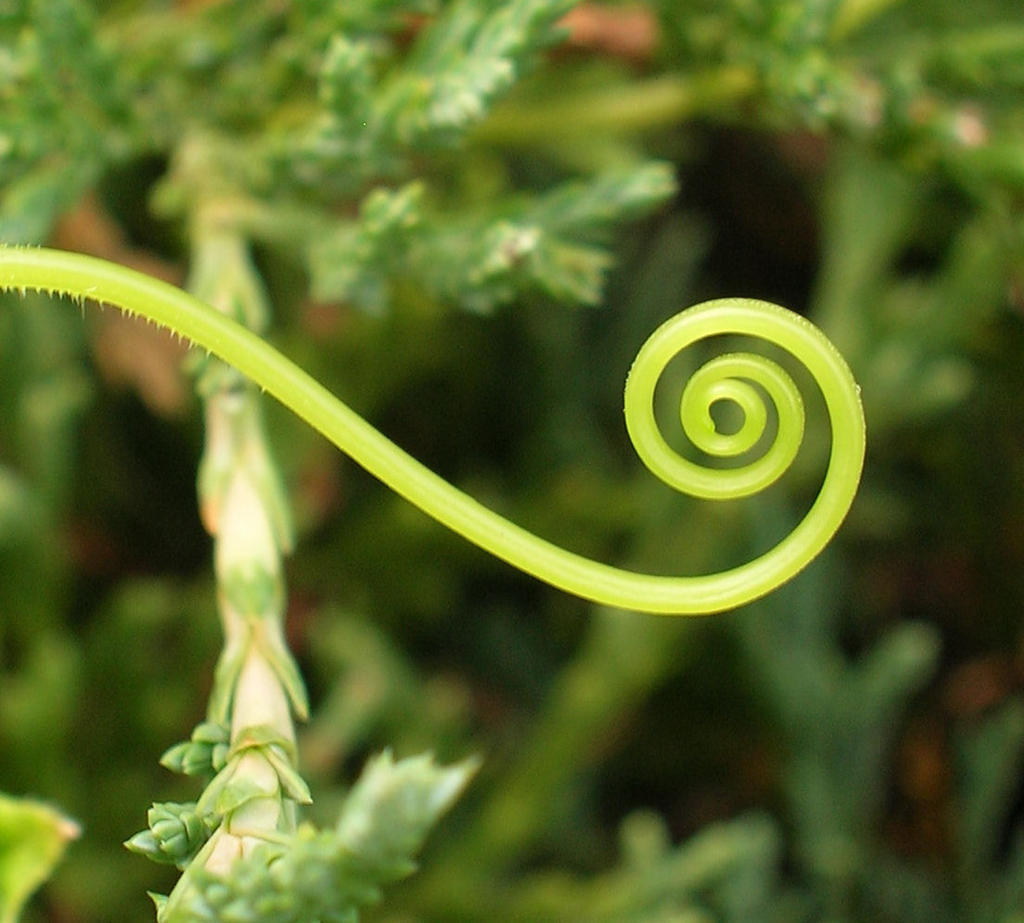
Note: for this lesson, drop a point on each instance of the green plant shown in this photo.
(240, 846)
(409, 197)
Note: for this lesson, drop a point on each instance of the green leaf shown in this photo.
(346, 79)
(373, 126)
(31, 205)
(159, 901)
(281, 755)
(988, 758)
(392, 806)
(552, 244)
(593, 207)
(225, 678)
(33, 837)
(229, 791)
(354, 263)
(327, 875)
(275, 650)
(465, 61)
(293, 785)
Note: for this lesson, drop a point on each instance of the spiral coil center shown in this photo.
(750, 382)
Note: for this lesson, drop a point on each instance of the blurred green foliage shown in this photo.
(433, 189)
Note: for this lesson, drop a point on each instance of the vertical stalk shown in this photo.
(257, 687)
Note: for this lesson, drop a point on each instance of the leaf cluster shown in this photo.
(327, 875)
(931, 84)
(291, 118)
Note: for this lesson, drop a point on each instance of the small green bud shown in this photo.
(176, 833)
(204, 754)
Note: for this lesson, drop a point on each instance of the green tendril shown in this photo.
(728, 378)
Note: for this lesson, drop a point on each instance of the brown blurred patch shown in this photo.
(90, 229)
(128, 353)
(319, 492)
(980, 684)
(629, 32)
(919, 823)
(323, 320)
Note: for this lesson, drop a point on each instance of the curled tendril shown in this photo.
(731, 378)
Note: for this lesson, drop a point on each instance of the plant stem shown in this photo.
(257, 685)
(655, 103)
(83, 277)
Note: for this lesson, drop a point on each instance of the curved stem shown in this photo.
(84, 277)
(654, 103)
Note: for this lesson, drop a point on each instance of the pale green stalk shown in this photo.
(257, 685)
(653, 103)
(83, 277)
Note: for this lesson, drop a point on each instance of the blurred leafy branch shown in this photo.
(405, 158)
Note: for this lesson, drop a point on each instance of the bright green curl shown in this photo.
(725, 379)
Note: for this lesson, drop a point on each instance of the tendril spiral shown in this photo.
(738, 378)
(732, 378)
